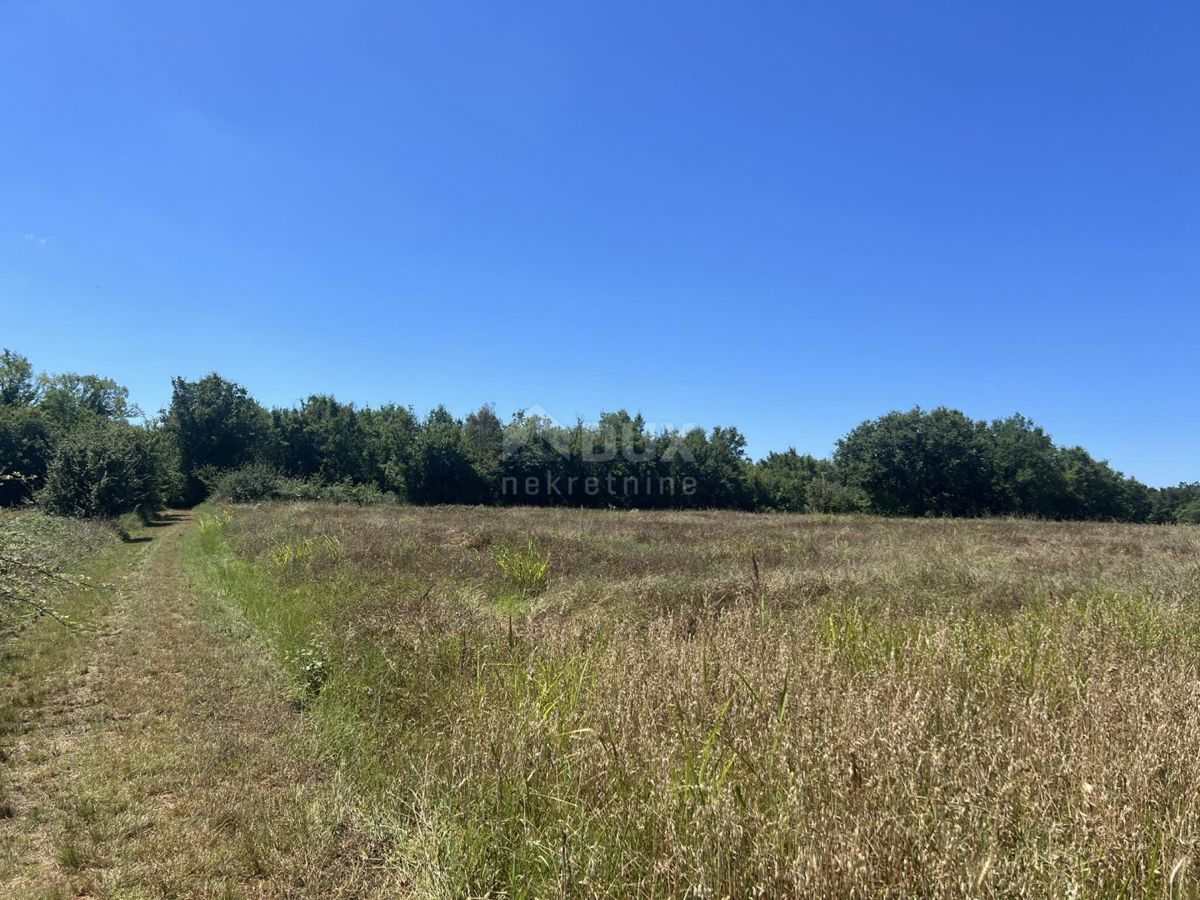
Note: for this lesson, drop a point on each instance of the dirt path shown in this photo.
(155, 756)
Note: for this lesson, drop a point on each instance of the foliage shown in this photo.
(24, 582)
(103, 471)
(483, 440)
(389, 434)
(66, 439)
(297, 489)
(1026, 471)
(1094, 489)
(216, 424)
(72, 400)
(364, 494)
(941, 463)
(826, 494)
(1175, 504)
(26, 444)
(261, 481)
(323, 438)
(783, 480)
(249, 484)
(441, 469)
(916, 463)
(217, 438)
(523, 566)
(17, 384)
(1189, 514)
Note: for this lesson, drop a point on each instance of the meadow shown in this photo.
(535, 703)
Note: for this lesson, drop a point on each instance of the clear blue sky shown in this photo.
(782, 216)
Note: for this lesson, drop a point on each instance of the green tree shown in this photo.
(390, 434)
(827, 494)
(1096, 491)
(918, 463)
(441, 469)
(1027, 475)
(535, 448)
(70, 400)
(17, 384)
(782, 480)
(1189, 513)
(323, 438)
(26, 446)
(716, 464)
(217, 426)
(1169, 504)
(483, 438)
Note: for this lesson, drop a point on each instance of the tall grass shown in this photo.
(716, 704)
(36, 553)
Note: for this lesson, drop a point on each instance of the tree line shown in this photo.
(67, 443)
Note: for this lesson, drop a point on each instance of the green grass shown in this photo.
(717, 704)
(151, 752)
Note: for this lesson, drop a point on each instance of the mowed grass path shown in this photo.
(152, 752)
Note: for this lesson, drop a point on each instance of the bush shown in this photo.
(1189, 514)
(258, 482)
(357, 494)
(26, 446)
(825, 495)
(101, 471)
(249, 484)
(299, 489)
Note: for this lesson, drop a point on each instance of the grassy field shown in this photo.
(534, 703)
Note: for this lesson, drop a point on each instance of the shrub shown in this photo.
(824, 495)
(26, 446)
(299, 489)
(249, 484)
(356, 494)
(101, 471)
(259, 481)
(1189, 514)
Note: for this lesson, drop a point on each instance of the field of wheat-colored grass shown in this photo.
(714, 704)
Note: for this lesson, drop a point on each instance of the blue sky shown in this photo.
(782, 216)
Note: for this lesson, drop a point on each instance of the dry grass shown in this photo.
(717, 704)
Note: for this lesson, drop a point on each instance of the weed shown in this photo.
(309, 665)
(524, 567)
(293, 554)
(71, 856)
(213, 523)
